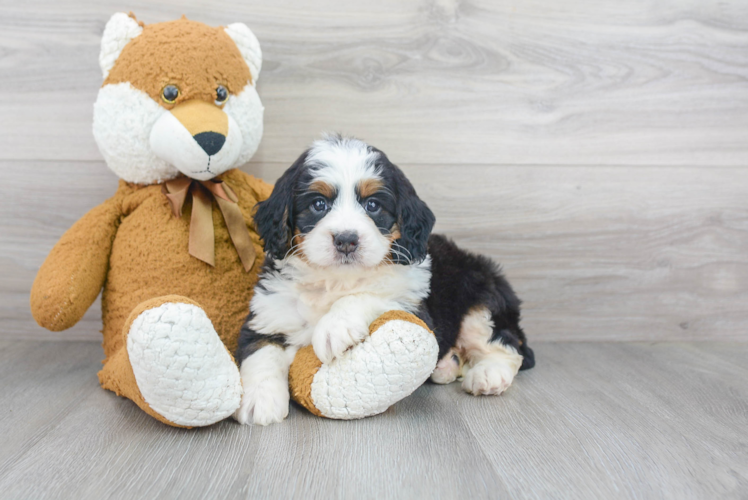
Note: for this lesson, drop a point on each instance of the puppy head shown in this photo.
(178, 97)
(343, 203)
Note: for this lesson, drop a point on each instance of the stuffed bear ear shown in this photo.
(249, 47)
(118, 32)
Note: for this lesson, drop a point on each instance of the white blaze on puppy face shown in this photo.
(344, 165)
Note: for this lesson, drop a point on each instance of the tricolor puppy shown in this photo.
(348, 239)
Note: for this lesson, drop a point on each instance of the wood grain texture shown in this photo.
(592, 420)
(596, 149)
(610, 253)
(431, 81)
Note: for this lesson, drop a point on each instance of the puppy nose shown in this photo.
(211, 142)
(346, 242)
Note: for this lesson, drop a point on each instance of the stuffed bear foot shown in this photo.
(174, 365)
(181, 366)
(393, 361)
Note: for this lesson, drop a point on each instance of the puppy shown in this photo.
(348, 239)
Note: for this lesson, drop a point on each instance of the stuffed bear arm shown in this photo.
(73, 273)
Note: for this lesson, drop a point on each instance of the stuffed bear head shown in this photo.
(178, 97)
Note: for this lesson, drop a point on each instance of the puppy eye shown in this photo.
(169, 94)
(221, 94)
(319, 205)
(372, 206)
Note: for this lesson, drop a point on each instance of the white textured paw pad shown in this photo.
(181, 366)
(377, 373)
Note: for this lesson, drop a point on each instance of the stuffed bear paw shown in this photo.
(181, 367)
(389, 364)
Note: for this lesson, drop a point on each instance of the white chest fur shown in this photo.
(292, 299)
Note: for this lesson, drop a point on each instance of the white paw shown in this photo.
(263, 403)
(447, 369)
(335, 333)
(490, 377)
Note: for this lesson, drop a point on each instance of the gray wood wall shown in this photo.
(598, 149)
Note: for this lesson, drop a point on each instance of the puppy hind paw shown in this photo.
(488, 377)
(447, 369)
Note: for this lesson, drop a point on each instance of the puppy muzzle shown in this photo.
(346, 242)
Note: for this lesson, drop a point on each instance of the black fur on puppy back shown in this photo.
(414, 218)
(462, 280)
(274, 216)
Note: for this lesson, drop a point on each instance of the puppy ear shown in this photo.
(414, 219)
(119, 30)
(274, 216)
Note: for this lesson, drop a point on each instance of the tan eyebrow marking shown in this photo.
(394, 232)
(368, 187)
(323, 188)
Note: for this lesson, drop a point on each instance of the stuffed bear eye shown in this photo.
(319, 205)
(170, 94)
(221, 94)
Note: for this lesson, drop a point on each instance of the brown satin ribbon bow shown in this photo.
(202, 239)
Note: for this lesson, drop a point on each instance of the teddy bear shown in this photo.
(175, 252)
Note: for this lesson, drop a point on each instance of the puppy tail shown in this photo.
(528, 357)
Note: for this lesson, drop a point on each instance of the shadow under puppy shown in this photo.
(348, 239)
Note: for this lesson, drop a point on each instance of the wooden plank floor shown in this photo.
(592, 420)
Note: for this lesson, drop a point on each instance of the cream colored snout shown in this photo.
(198, 138)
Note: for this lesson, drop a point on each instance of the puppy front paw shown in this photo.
(336, 333)
(489, 377)
(263, 403)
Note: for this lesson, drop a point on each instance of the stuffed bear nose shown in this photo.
(211, 142)
(346, 242)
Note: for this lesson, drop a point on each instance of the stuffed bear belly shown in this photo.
(150, 259)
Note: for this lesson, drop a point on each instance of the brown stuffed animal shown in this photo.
(175, 248)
